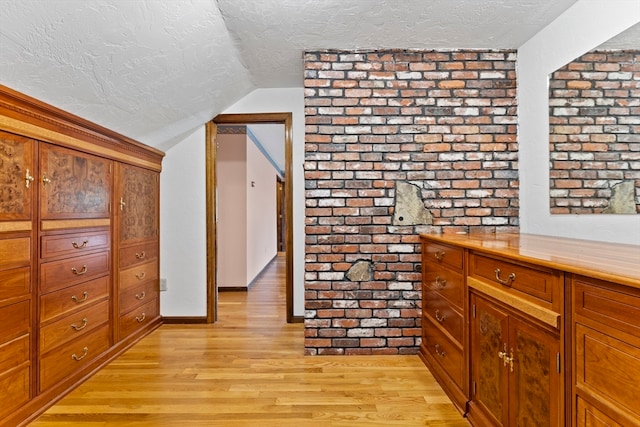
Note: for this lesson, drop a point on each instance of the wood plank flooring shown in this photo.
(248, 369)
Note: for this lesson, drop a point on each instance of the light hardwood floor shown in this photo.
(248, 369)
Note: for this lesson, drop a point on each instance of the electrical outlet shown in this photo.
(163, 284)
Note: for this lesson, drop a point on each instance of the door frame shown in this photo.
(211, 134)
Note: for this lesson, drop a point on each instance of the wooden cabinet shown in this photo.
(549, 330)
(607, 347)
(443, 346)
(16, 271)
(515, 368)
(138, 249)
(59, 251)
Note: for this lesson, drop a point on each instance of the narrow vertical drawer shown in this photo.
(70, 359)
(442, 254)
(60, 274)
(15, 283)
(137, 295)
(14, 353)
(73, 298)
(138, 318)
(138, 254)
(443, 351)
(14, 319)
(74, 243)
(138, 274)
(442, 313)
(15, 252)
(14, 390)
(446, 282)
(73, 326)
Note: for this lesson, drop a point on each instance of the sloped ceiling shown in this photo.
(155, 70)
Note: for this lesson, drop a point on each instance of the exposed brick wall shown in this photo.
(443, 121)
(594, 122)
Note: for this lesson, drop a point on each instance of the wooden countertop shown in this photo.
(614, 262)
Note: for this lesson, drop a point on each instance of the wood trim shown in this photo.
(297, 319)
(184, 320)
(233, 289)
(30, 117)
(287, 120)
(544, 315)
(6, 227)
(74, 223)
(211, 131)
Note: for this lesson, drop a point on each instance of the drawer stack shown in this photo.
(443, 296)
(138, 287)
(607, 348)
(15, 315)
(74, 302)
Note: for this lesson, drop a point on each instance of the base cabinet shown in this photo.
(60, 251)
(515, 369)
(526, 330)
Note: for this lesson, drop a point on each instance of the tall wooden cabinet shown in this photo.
(549, 332)
(78, 272)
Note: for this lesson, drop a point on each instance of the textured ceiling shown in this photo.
(155, 70)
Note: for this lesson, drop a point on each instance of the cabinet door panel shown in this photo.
(138, 204)
(489, 334)
(535, 379)
(16, 165)
(74, 184)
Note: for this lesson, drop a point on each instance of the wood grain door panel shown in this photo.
(16, 166)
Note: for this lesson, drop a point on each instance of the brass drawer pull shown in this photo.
(122, 204)
(439, 352)
(141, 276)
(80, 246)
(84, 354)
(78, 301)
(81, 272)
(507, 359)
(441, 283)
(141, 319)
(141, 255)
(439, 255)
(75, 327)
(507, 282)
(45, 180)
(141, 296)
(28, 178)
(440, 318)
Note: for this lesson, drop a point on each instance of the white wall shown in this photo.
(183, 208)
(231, 182)
(183, 244)
(286, 100)
(261, 210)
(582, 27)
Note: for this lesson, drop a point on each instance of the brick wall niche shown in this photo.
(398, 143)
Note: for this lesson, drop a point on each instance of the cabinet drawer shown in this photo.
(138, 318)
(60, 274)
(538, 283)
(608, 368)
(137, 295)
(446, 353)
(15, 283)
(15, 252)
(447, 283)
(442, 254)
(73, 326)
(14, 390)
(14, 319)
(138, 254)
(14, 353)
(138, 274)
(72, 298)
(609, 304)
(74, 243)
(70, 359)
(588, 416)
(442, 313)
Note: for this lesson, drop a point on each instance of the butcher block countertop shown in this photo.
(614, 262)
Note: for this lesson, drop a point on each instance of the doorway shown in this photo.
(211, 133)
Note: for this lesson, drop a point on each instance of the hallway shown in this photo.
(249, 370)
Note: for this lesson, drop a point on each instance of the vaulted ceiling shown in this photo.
(154, 70)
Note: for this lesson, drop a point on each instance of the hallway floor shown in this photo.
(248, 369)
